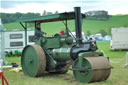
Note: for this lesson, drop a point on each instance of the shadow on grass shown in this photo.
(119, 50)
(68, 77)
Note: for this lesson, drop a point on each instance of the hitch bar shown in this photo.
(80, 68)
(86, 68)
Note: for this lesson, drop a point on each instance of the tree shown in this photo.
(97, 14)
(56, 12)
(49, 13)
(103, 32)
(44, 13)
(125, 25)
(88, 32)
(109, 31)
(12, 17)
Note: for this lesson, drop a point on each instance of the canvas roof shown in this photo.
(51, 18)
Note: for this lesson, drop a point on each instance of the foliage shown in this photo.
(56, 12)
(12, 17)
(98, 15)
(109, 31)
(49, 13)
(103, 32)
(44, 13)
(88, 33)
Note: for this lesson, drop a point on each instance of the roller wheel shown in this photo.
(33, 60)
(98, 69)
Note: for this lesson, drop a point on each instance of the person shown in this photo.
(38, 32)
(61, 32)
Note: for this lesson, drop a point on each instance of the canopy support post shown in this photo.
(66, 24)
(25, 28)
(25, 34)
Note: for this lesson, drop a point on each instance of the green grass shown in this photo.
(119, 74)
(92, 25)
(13, 60)
(105, 47)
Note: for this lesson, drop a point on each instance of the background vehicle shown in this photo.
(119, 38)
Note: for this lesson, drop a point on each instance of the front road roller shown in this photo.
(33, 60)
(91, 69)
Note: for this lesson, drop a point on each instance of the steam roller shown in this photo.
(59, 53)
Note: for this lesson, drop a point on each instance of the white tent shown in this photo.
(2, 53)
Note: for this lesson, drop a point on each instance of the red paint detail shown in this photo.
(3, 79)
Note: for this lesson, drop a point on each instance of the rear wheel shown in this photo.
(33, 60)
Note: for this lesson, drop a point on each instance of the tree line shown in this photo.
(103, 32)
(97, 14)
(12, 17)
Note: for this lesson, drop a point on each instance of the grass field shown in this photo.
(94, 26)
(119, 74)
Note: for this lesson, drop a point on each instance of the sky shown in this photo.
(38, 6)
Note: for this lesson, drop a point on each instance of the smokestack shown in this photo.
(78, 25)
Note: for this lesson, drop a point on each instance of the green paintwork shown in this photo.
(84, 76)
(60, 48)
(52, 62)
(52, 42)
(51, 18)
(29, 61)
(43, 43)
(61, 54)
(90, 54)
(56, 48)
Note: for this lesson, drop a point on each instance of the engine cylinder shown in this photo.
(61, 54)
